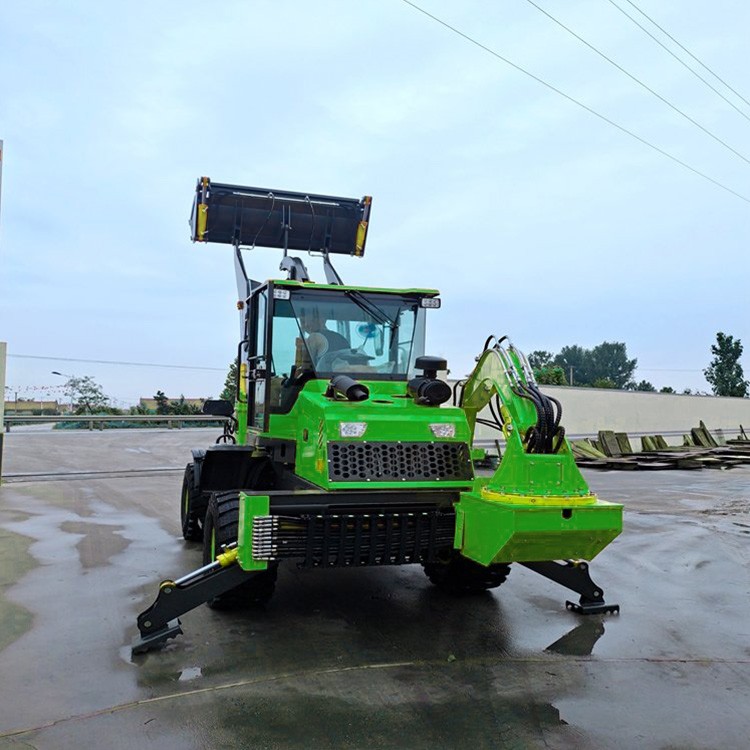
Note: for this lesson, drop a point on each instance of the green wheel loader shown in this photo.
(342, 450)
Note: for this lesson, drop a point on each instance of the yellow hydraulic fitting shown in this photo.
(227, 558)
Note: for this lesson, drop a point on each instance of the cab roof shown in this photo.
(311, 285)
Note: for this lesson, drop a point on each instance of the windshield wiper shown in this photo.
(372, 309)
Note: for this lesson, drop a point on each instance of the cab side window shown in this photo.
(289, 361)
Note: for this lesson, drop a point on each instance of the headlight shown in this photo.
(352, 429)
(433, 302)
(443, 430)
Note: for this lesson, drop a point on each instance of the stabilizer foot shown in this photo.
(156, 639)
(593, 608)
(160, 622)
(574, 575)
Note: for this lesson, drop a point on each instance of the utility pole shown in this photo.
(571, 374)
(69, 377)
(3, 351)
(1, 170)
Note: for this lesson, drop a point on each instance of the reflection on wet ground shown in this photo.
(580, 641)
(370, 658)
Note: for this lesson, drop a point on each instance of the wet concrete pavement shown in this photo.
(372, 658)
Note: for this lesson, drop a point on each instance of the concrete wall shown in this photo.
(588, 410)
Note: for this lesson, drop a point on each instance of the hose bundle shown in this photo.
(546, 436)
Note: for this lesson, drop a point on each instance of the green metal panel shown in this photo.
(390, 415)
(250, 507)
(554, 474)
(502, 532)
(240, 412)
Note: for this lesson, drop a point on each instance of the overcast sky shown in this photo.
(533, 217)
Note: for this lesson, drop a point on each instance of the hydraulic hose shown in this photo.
(559, 412)
(548, 419)
(533, 434)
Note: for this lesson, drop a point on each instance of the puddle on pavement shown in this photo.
(91, 616)
(449, 708)
(15, 562)
(98, 543)
(190, 673)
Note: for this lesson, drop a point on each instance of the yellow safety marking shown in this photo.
(360, 241)
(321, 433)
(557, 501)
(202, 221)
(243, 379)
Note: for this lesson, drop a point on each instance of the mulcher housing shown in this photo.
(340, 450)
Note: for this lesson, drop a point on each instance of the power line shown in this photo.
(666, 369)
(578, 103)
(114, 362)
(685, 49)
(639, 81)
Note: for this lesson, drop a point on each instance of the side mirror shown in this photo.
(218, 408)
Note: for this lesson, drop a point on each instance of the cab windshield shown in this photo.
(367, 335)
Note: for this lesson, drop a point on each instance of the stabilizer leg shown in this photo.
(160, 622)
(574, 574)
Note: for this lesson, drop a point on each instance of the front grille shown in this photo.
(345, 540)
(397, 462)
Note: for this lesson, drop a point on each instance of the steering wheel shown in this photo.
(350, 356)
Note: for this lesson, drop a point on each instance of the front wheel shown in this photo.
(459, 576)
(219, 528)
(192, 507)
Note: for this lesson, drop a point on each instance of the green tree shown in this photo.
(162, 403)
(174, 406)
(550, 375)
(667, 389)
(540, 359)
(577, 358)
(181, 406)
(230, 384)
(724, 373)
(607, 361)
(644, 385)
(603, 383)
(87, 396)
(610, 360)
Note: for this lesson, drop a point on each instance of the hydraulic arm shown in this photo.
(537, 507)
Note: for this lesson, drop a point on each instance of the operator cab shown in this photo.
(293, 330)
(300, 332)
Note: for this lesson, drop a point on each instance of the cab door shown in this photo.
(257, 359)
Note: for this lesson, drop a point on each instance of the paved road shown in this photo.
(373, 658)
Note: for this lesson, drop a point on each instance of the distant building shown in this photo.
(35, 407)
(149, 404)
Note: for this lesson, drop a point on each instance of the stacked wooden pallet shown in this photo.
(700, 450)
